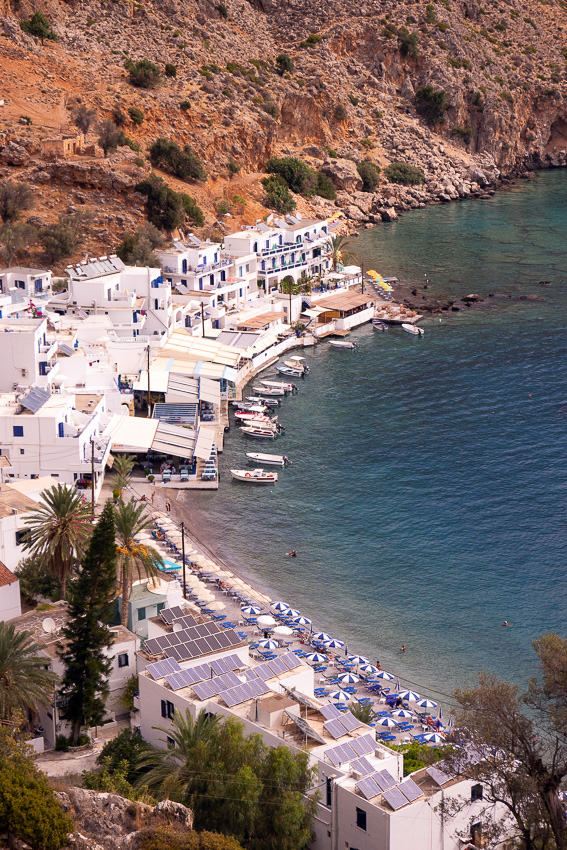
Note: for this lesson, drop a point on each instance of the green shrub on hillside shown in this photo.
(370, 173)
(168, 209)
(170, 70)
(431, 103)
(404, 174)
(294, 171)
(408, 42)
(144, 74)
(278, 197)
(283, 64)
(39, 26)
(184, 164)
(137, 115)
(312, 40)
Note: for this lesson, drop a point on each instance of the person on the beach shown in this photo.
(378, 665)
(168, 509)
(403, 649)
(153, 497)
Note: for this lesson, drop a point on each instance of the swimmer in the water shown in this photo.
(505, 623)
(293, 553)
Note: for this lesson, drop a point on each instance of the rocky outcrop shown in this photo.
(109, 822)
(343, 173)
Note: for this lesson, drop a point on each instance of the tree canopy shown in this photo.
(25, 684)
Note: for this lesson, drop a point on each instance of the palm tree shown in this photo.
(339, 251)
(58, 531)
(24, 681)
(133, 558)
(364, 713)
(170, 768)
(122, 469)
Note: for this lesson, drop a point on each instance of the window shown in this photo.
(247, 267)
(476, 792)
(61, 428)
(167, 709)
(329, 792)
(476, 834)
(123, 660)
(239, 271)
(18, 430)
(361, 819)
(21, 536)
(141, 614)
(22, 451)
(160, 606)
(170, 743)
(43, 368)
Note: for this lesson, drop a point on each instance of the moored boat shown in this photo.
(245, 416)
(274, 391)
(271, 460)
(260, 433)
(291, 371)
(412, 329)
(280, 385)
(379, 325)
(268, 402)
(256, 476)
(342, 343)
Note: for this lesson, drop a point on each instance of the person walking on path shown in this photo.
(167, 506)
(153, 497)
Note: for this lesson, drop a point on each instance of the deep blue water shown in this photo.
(427, 494)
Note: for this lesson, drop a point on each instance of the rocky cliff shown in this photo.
(500, 71)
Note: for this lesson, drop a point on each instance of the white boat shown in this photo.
(291, 371)
(342, 343)
(260, 433)
(253, 422)
(271, 460)
(256, 476)
(300, 367)
(246, 418)
(412, 329)
(248, 407)
(279, 385)
(274, 391)
(269, 402)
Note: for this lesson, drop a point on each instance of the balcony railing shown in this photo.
(208, 267)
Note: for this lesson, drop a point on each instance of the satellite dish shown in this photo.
(48, 625)
(177, 627)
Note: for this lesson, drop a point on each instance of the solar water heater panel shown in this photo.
(350, 722)
(395, 798)
(438, 776)
(170, 665)
(410, 790)
(368, 788)
(233, 662)
(224, 640)
(156, 671)
(334, 727)
(219, 667)
(330, 712)
(362, 766)
(259, 687)
(203, 671)
(277, 666)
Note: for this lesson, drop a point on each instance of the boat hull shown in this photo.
(256, 477)
(269, 460)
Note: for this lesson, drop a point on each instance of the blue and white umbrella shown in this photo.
(389, 722)
(358, 659)
(322, 636)
(401, 712)
(433, 738)
(334, 644)
(340, 696)
(268, 644)
(411, 696)
(291, 612)
(252, 610)
(348, 679)
(316, 657)
(280, 606)
(302, 621)
(369, 668)
(426, 703)
(383, 675)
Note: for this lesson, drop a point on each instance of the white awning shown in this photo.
(158, 381)
(131, 433)
(204, 444)
(182, 389)
(174, 440)
(313, 312)
(209, 390)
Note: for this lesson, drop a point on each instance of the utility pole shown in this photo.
(92, 478)
(202, 319)
(289, 284)
(183, 556)
(362, 275)
(149, 395)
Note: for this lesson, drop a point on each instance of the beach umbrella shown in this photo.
(285, 631)
(334, 644)
(389, 722)
(348, 679)
(411, 696)
(426, 703)
(268, 644)
(322, 636)
(251, 610)
(369, 668)
(193, 580)
(217, 606)
(302, 621)
(383, 675)
(433, 738)
(291, 612)
(401, 712)
(316, 657)
(372, 273)
(358, 659)
(340, 696)
(266, 620)
(279, 606)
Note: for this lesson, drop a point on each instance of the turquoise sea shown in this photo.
(427, 496)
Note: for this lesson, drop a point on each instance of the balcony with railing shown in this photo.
(201, 269)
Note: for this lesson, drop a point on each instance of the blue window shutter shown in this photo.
(61, 429)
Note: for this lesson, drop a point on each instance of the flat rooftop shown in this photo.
(13, 502)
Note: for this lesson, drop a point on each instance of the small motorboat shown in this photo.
(275, 391)
(249, 407)
(256, 476)
(379, 325)
(257, 422)
(342, 343)
(267, 402)
(245, 416)
(260, 433)
(412, 329)
(291, 371)
(279, 385)
(297, 362)
(271, 460)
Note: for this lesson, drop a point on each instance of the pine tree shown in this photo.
(87, 666)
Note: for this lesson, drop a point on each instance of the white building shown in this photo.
(365, 801)
(14, 508)
(45, 434)
(45, 627)
(10, 605)
(290, 246)
(26, 354)
(33, 283)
